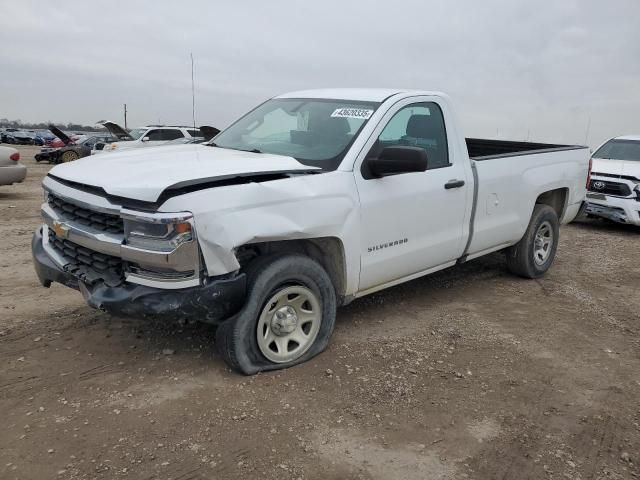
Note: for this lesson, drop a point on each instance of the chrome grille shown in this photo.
(86, 264)
(103, 222)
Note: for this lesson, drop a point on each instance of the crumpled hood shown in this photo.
(627, 168)
(143, 174)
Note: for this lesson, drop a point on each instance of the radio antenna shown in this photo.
(586, 134)
(193, 95)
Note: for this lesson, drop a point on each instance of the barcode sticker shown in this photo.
(361, 113)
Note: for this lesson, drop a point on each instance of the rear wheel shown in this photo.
(287, 319)
(533, 255)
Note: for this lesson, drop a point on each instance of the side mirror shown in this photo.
(396, 160)
(145, 139)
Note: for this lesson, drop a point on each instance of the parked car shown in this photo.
(207, 133)
(149, 136)
(74, 147)
(59, 141)
(22, 137)
(55, 143)
(310, 200)
(6, 137)
(11, 171)
(614, 189)
(43, 138)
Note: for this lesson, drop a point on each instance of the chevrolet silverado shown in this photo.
(307, 202)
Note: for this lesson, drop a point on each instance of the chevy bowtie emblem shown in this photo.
(60, 229)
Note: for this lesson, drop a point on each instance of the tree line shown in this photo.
(6, 123)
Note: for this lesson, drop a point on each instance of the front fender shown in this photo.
(301, 207)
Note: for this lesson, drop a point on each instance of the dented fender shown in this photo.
(299, 207)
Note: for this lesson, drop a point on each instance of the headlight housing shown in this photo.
(161, 233)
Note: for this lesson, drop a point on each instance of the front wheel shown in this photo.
(533, 255)
(288, 316)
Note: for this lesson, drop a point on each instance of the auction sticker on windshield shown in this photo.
(362, 113)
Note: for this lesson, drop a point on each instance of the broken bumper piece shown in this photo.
(215, 300)
(621, 210)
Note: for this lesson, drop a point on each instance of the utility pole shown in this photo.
(125, 116)
(193, 95)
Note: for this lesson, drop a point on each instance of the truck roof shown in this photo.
(358, 94)
(629, 137)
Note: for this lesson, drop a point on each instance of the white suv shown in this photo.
(149, 136)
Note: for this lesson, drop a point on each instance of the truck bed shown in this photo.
(486, 149)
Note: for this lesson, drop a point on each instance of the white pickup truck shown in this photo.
(310, 200)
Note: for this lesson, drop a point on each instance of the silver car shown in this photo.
(10, 170)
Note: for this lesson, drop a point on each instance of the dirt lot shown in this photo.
(470, 373)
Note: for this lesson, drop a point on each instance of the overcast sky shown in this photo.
(514, 68)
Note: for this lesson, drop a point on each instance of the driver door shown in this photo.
(412, 222)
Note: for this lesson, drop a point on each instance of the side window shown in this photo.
(154, 135)
(417, 125)
(171, 134)
(194, 133)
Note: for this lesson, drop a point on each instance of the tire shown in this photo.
(275, 283)
(69, 156)
(529, 257)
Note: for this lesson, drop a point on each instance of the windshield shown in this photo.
(316, 132)
(136, 133)
(619, 150)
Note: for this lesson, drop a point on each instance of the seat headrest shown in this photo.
(423, 126)
(334, 126)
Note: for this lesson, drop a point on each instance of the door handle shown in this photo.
(454, 184)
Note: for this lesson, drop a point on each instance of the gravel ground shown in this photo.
(469, 373)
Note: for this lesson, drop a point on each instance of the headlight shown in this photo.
(161, 233)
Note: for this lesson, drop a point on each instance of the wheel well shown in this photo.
(327, 251)
(556, 199)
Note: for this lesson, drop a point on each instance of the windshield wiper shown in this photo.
(255, 150)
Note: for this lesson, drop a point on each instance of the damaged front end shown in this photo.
(129, 262)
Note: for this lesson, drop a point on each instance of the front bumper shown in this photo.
(215, 300)
(12, 174)
(43, 156)
(617, 209)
